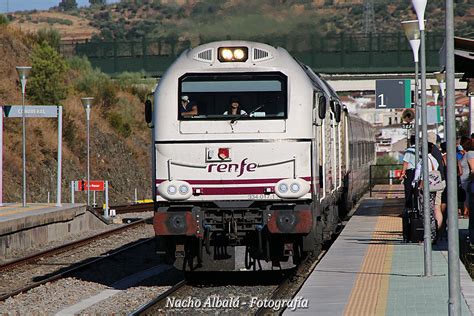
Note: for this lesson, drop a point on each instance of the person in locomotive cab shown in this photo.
(187, 108)
(235, 108)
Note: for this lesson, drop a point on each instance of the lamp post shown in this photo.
(23, 73)
(435, 90)
(454, 305)
(412, 32)
(420, 6)
(440, 77)
(87, 103)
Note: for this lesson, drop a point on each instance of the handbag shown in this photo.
(435, 180)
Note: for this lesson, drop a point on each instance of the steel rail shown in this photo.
(146, 309)
(69, 246)
(301, 271)
(130, 208)
(67, 272)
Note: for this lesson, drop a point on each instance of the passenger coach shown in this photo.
(256, 189)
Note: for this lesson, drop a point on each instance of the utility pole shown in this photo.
(369, 17)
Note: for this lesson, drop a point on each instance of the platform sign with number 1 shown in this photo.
(393, 94)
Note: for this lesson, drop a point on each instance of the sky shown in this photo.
(18, 5)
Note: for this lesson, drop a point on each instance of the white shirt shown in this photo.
(432, 165)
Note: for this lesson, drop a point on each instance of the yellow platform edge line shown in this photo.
(382, 297)
(370, 291)
(18, 209)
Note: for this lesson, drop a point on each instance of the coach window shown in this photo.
(261, 95)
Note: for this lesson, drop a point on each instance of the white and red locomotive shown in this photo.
(258, 188)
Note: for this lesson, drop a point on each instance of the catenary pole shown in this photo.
(453, 233)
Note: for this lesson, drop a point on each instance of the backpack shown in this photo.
(435, 178)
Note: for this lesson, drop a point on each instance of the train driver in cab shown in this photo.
(187, 108)
(235, 108)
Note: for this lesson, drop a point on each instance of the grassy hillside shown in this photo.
(242, 18)
(119, 138)
(191, 19)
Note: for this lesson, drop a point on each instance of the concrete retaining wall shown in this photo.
(39, 229)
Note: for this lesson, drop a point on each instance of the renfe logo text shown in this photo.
(233, 167)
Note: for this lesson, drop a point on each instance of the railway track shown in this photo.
(291, 285)
(72, 245)
(32, 262)
(148, 308)
(243, 296)
(130, 208)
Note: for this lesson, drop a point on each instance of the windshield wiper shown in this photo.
(247, 114)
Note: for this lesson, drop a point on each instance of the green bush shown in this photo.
(125, 80)
(50, 36)
(134, 83)
(119, 124)
(69, 130)
(380, 172)
(46, 83)
(98, 85)
(3, 19)
(97, 2)
(79, 63)
(57, 21)
(67, 5)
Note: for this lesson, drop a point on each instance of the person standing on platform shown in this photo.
(408, 172)
(465, 152)
(434, 150)
(469, 188)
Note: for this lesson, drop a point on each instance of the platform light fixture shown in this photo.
(23, 72)
(420, 6)
(87, 103)
(412, 32)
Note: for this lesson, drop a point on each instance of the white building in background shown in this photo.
(364, 107)
(392, 138)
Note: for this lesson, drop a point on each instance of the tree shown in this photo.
(67, 5)
(47, 80)
(97, 2)
(3, 19)
(50, 36)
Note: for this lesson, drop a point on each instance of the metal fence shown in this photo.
(384, 176)
(342, 53)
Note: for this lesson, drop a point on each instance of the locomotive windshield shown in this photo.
(243, 96)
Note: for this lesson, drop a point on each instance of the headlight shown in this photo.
(175, 190)
(295, 187)
(226, 54)
(239, 54)
(233, 54)
(171, 189)
(183, 189)
(283, 188)
(292, 188)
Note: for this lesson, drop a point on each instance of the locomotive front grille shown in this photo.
(239, 220)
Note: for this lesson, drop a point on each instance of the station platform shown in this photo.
(40, 223)
(370, 271)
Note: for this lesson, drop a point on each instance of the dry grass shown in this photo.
(124, 162)
(79, 29)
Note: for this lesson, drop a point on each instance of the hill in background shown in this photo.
(119, 138)
(191, 19)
